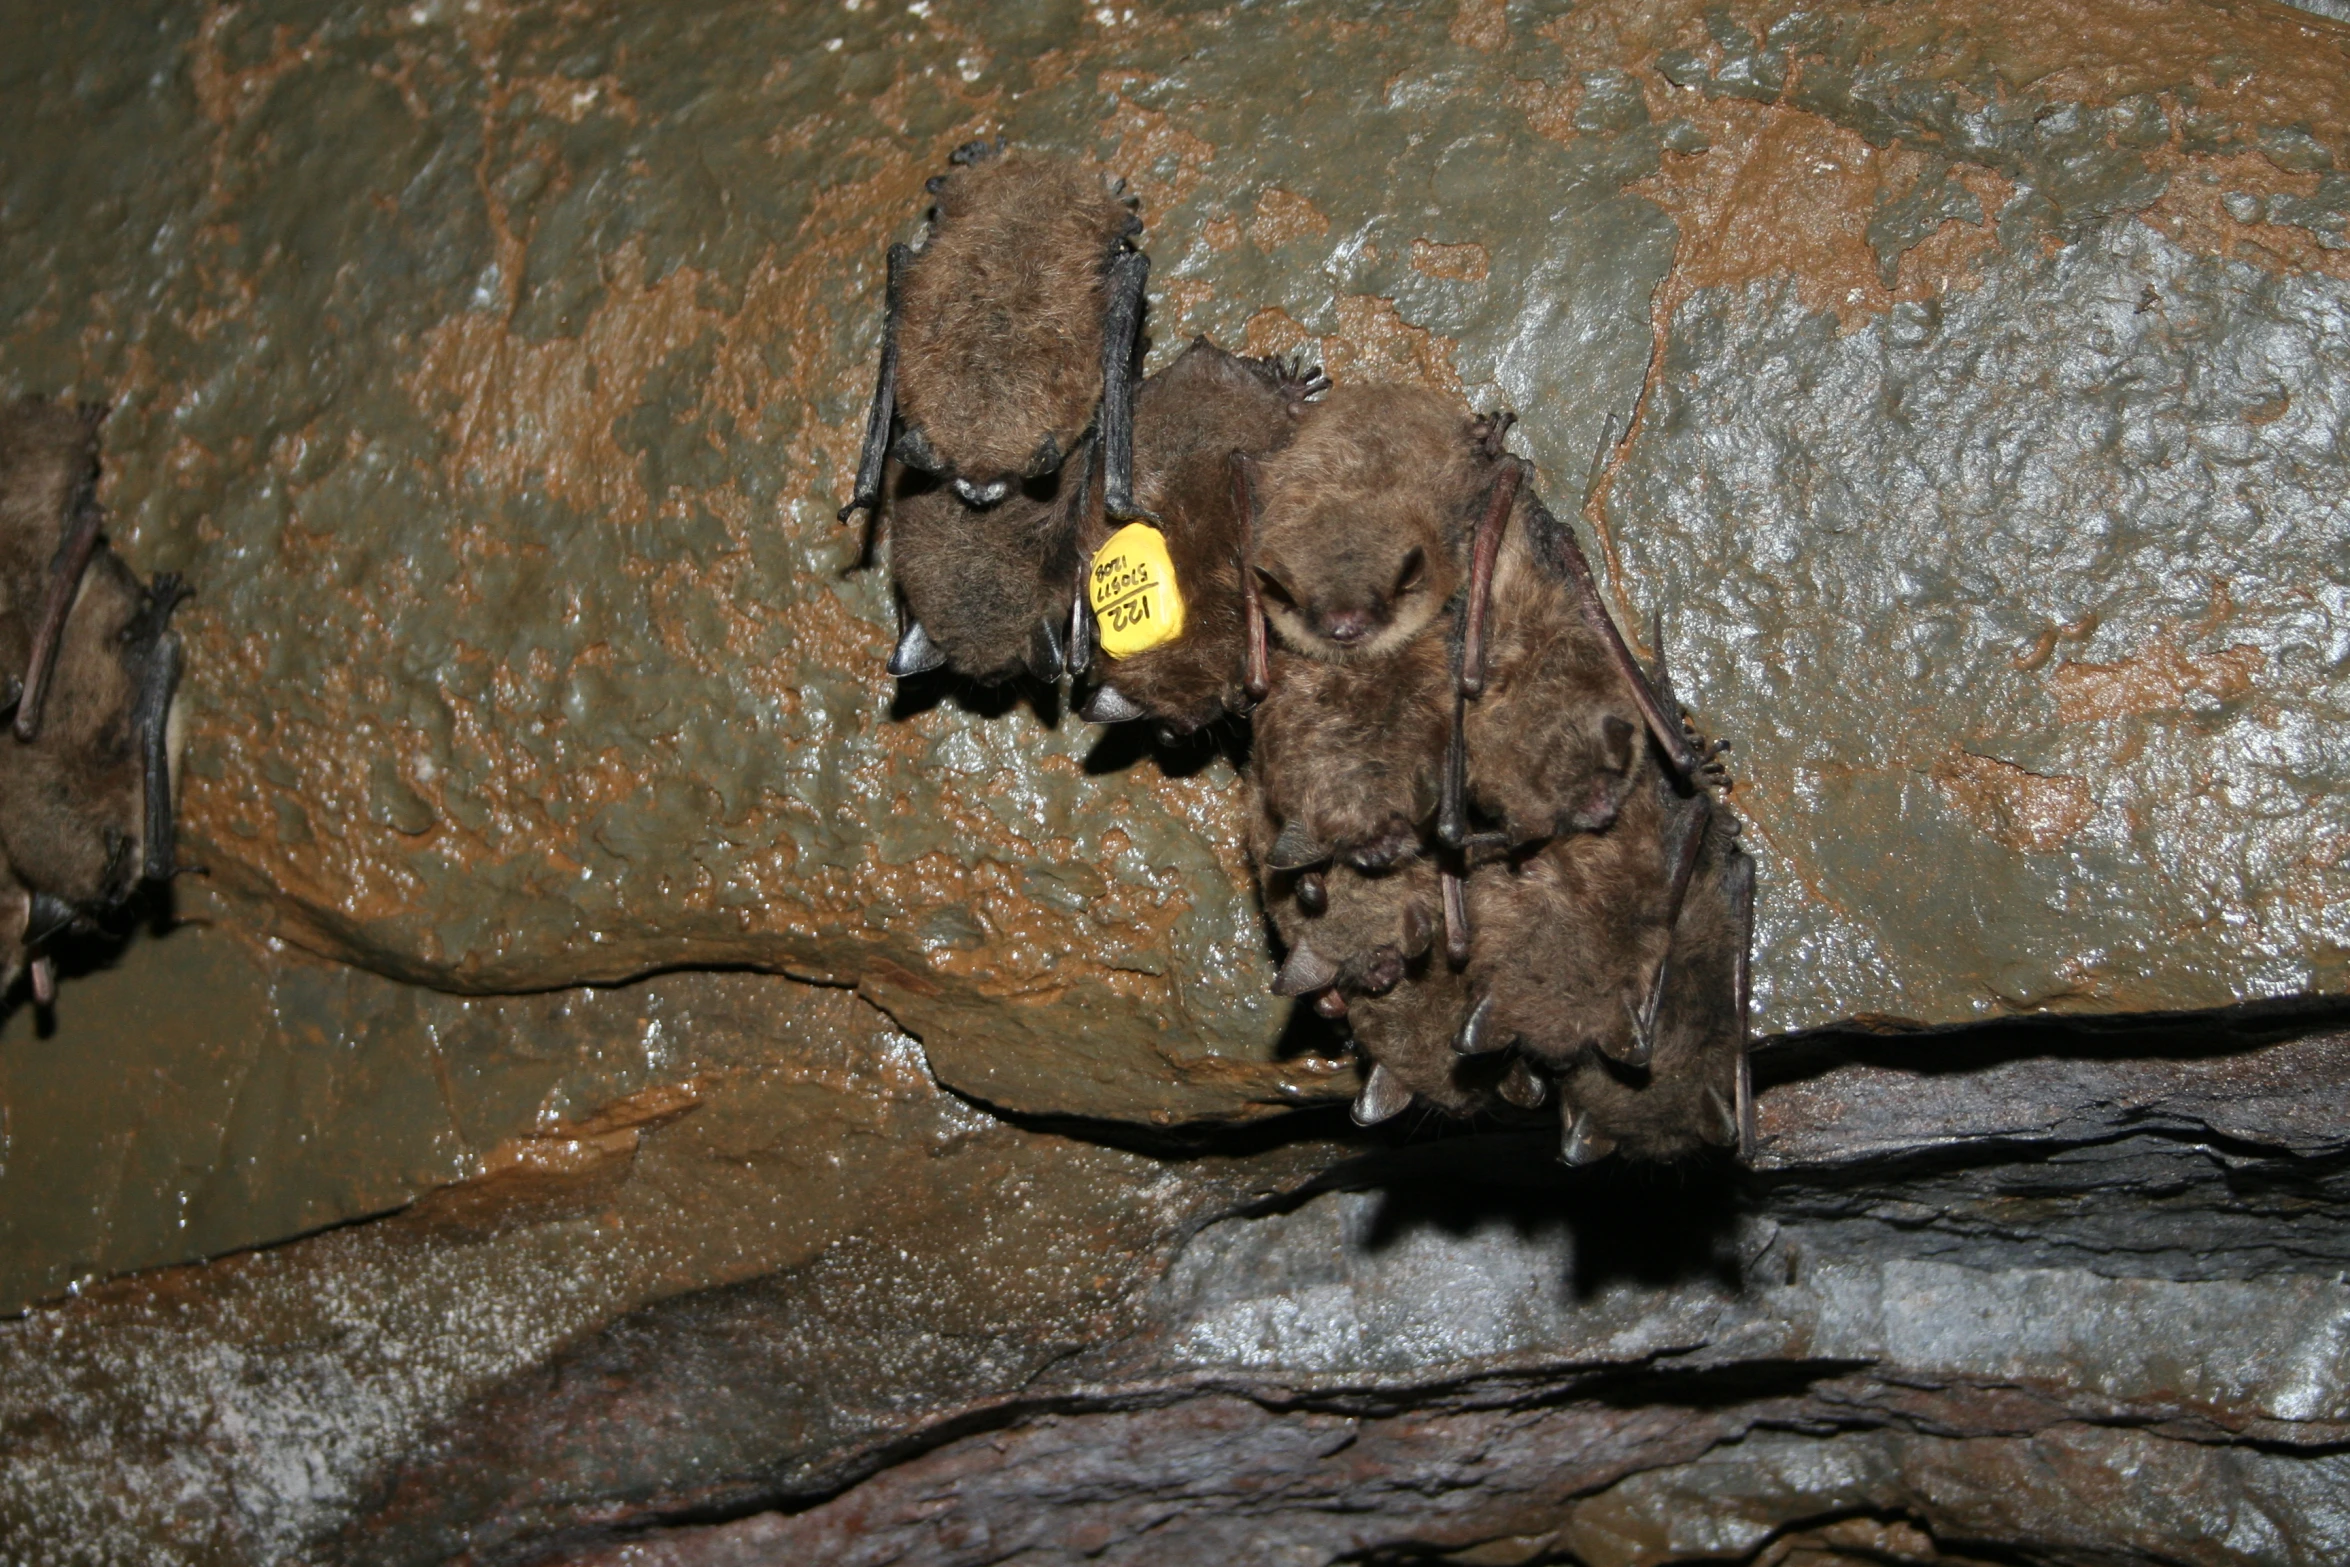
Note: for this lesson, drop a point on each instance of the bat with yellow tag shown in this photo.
(1167, 600)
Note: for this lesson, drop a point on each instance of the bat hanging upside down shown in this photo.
(87, 769)
(1006, 392)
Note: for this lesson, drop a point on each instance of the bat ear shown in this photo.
(1274, 587)
(1046, 457)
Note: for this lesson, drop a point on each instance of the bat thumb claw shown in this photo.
(1108, 705)
(1479, 1036)
(1383, 1098)
(915, 653)
(1582, 1142)
(1305, 972)
(1295, 849)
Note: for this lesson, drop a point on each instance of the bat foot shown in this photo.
(1305, 972)
(1386, 849)
(1107, 705)
(1490, 430)
(1295, 849)
(915, 653)
(1383, 1098)
(978, 151)
(868, 504)
(1378, 973)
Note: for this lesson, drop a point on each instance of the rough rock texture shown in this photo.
(494, 370)
(830, 1123)
(2027, 1296)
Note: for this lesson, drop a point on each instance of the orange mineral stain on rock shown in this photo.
(1467, 263)
(1480, 24)
(2160, 679)
(1372, 343)
(1284, 217)
(2026, 811)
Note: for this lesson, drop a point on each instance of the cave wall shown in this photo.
(716, 1021)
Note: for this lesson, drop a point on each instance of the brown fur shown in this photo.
(1700, 1032)
(1188, 420)
(72, 801)
(1000, 322)
(1554, 741)
(1405, 1004)
(981, 581)
(1375, 474)
(1354, 752)
(1363, 529)
(1568, 937)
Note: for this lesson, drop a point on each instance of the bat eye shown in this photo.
(1415, 566)
(1274, 589)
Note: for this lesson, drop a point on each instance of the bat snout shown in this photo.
(982, 495)
(1349, 627)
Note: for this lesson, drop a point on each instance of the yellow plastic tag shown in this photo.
(1132, 589)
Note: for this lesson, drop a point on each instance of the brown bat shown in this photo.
(1190, 420)
(1364, 947)
(1009, 345)
(1614, 961)
(986, 591)
(1697, 1090)
(86, 805)
(1363, 532)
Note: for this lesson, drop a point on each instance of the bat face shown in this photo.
(1000, 331)
(1365, 521)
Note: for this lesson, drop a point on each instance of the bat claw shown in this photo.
(1716, 1122)
(1108, 705)
(1295, 849)
(1478, 1036)
(915, 654)
(1583, 1143)
(1383, 1098)
(1305, 972)
(1044, 658)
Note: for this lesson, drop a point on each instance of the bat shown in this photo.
(1009, 346)
(1191, 421)
(1362, 534)
(86, 804)
(986, 592)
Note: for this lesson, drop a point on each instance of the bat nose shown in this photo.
(1348, 627)
(983, 494)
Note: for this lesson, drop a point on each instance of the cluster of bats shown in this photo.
(1486, 837)
(89, 677)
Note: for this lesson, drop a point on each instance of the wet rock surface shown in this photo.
(826, 1122)
(1980, 378)
(2038, 1298)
